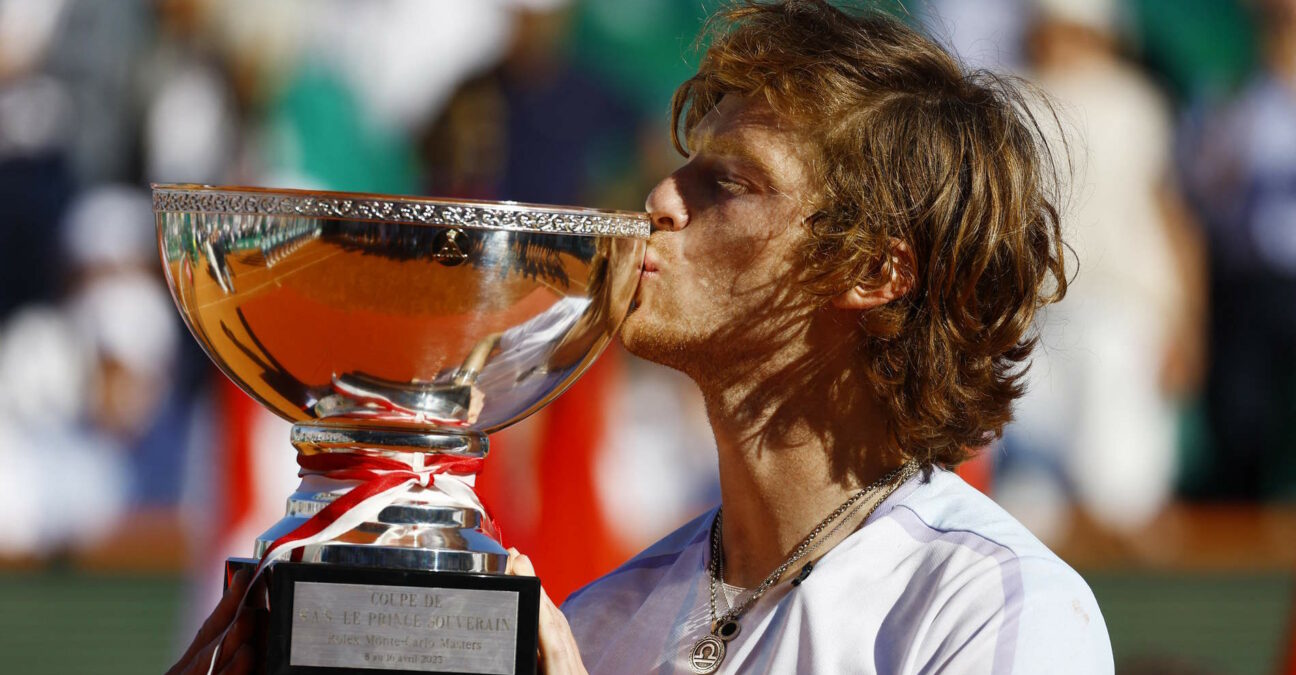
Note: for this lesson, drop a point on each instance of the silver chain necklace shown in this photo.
(709, 652)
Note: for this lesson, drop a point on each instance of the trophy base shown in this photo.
(326, 619)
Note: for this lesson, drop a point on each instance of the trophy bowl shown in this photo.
(395, 333)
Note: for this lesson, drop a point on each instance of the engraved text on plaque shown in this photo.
(404, 628)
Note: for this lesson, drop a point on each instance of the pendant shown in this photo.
(709, 652)
(707, 655)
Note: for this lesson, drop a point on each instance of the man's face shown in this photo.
(720, 282)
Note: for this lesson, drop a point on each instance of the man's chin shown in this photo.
(645, 338)
(631, 332)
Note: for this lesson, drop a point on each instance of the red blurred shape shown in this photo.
(562, 528)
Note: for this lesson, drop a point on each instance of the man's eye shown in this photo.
(732, 187)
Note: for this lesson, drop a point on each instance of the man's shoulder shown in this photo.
(948, 512)
(637, 575)
(981, 567)
(948, 522)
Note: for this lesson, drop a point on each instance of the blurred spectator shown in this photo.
(84, 383)
(124, 310)
(190, 123)
(368, 76)
(538, 128)
(1123, 350)
(1242, 176)
(72, 62)
(35, 175)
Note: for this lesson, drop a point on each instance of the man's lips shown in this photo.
(649, 265)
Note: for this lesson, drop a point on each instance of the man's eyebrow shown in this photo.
(730, 148)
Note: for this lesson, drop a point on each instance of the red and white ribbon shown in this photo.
(381, 480)
(377, 481)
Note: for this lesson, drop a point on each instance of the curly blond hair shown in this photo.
(908, 148)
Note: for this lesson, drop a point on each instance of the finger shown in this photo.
(513, 555)
(225, 610)
(239, 636)
(220, 616)
(200, 664)
(241, 663)
(522, 566)
(558, 649)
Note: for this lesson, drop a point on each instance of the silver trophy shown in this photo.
(395, 333)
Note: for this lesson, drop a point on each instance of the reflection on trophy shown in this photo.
(395, 333)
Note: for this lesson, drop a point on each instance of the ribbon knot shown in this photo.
(381, 480)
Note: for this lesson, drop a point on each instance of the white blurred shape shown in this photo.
(62, 486)
(110, 226)
(662, 464)
(128, 318)
(189, 129)
(1033, 496)
(1120, 134)
(402, 58)
(26, 28)
(20, 503)
(43, 368)
(35, 114)
(537, 5)
(60, 489)
(1272, 144)
(1095, 412)
(405, 57)
(1125, 465)
(1102, 16)
(984, 34)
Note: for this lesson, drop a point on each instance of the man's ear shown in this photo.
(897, 275)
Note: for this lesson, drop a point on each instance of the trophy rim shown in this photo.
(401, 209)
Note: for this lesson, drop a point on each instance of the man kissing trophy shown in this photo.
(848, 265)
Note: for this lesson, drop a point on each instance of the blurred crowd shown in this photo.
(1168, 373)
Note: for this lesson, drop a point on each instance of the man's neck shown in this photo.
(796, 437)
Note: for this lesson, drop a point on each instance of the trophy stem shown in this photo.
(313, 437)
(418, 509)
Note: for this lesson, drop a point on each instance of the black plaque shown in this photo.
(331, 619)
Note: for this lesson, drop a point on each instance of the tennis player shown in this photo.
(848, 266)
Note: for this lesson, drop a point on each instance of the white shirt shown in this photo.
(938, 580)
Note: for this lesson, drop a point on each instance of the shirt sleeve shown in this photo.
(1023, 616)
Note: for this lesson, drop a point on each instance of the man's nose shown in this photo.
(666, 207)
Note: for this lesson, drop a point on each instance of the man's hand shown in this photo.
(558, 652)
(236, 655)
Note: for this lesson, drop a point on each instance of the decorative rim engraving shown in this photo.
(413, 211)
